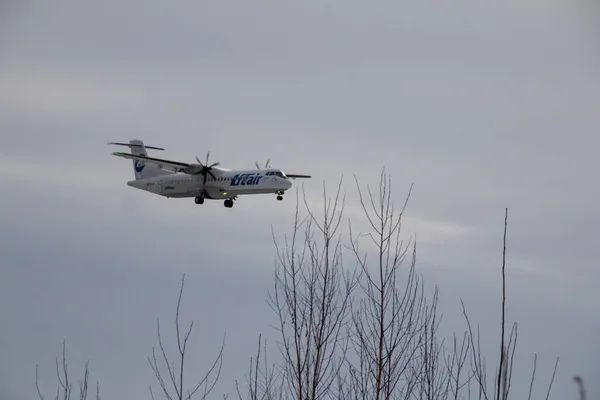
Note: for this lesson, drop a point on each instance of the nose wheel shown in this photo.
(199, 200)
(228, 203)
(279, 196)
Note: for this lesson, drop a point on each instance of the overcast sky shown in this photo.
(482, 106)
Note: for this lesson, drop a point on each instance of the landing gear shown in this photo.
(199, 200)
(279, 196)
(228, 203)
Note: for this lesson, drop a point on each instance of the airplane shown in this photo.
(201, 181)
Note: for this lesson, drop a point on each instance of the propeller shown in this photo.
(206, 169)
(202, 169)
(266, 164)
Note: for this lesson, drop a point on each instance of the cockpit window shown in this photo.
(276, 173)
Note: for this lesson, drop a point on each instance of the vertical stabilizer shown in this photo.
(141, 169)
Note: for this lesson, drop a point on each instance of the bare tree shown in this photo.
(176, 374)
(504, 369)
(389, 319)
(311, 298)
(396, 347)
(64, 387)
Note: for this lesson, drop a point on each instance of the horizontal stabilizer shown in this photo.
(135, 145)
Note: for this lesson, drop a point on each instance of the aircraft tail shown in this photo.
(141, 169)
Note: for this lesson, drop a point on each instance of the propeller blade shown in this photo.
(267, 163)
(257, 166)
(214, 165)
(199, 162)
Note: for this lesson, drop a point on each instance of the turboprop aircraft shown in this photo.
(201, 181)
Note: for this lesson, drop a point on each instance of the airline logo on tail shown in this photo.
(139, 165)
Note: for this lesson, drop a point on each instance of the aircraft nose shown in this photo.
(288, 184)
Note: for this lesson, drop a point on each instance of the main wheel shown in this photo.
(228, 203)
(199, 200)
(280, 197)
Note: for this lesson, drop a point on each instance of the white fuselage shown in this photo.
(228, 184)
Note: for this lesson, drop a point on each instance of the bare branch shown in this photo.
(264, 383)
(64, 385)
(532, 376)
(177, 377)
(580, 386)
(37, 386)
(502, 349)
(552, 380)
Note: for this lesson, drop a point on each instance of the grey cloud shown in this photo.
(482, 107)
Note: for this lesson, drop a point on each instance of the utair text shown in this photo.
(245, 179)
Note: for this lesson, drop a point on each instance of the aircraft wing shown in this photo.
(167, 164)
(295, 176)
